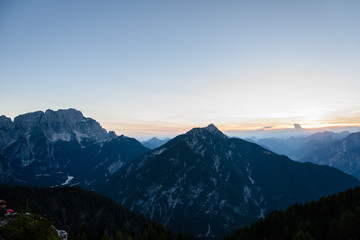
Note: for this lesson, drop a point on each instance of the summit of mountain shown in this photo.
(211, 129)
(60, 124)
(154, 142)
(7, 133)
(61, 148)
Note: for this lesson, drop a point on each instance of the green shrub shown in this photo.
(25, 226)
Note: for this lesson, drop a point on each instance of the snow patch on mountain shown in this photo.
(68, 180)
(159, 151)
(115, 166)
(247, 194)
(80, 136)
(249, 174)
(61, 136)
(26, 162)
(216, 163)
(192, 143)
(208, 232)
(229, 154)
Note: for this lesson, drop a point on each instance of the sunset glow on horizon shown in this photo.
(145, 130)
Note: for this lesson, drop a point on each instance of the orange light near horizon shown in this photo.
(146, 130)
(328, 125)
(251, 127)
(317, 125)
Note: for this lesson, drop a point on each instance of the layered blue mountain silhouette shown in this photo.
(206, 183)
(201, 182)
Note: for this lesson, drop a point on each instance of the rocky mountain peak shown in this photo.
(68, 121)
(28, 121)
(7, 134)
(5, 122)
(60, 125)
(112, 135)
(212, 180)
(213, 129)
(205, 131)
(70, 114)
(199, 139)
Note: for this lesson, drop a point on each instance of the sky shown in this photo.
(159, 68)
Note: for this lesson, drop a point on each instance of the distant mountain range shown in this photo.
(339, 150)
(154, 142)
(343, 154)
(300, 146)
(201, 182)
(61, 148)
(206, 183)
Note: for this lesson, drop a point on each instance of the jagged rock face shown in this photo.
(60, 125)
(207, 184)
(7, 134)
(53, 125)
(26, 122)
(61, 147)
(343, 154)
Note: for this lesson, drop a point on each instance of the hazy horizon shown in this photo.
(171, 130)
(159, 68)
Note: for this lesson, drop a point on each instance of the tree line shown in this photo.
(333, 217)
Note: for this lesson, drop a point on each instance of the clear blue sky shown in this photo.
(159, 67)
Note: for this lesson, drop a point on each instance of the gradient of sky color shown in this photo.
(161, 67)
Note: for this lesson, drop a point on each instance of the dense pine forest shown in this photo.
(83, 214)
(333, 217)
(151, 232)
(86, 215)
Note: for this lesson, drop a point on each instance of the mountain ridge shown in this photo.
(61, 147)
(216, 182)
(154, 142)
(298, 147)
(201, 182)
(343, 154)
